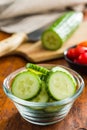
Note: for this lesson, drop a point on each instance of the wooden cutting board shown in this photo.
(36, 53)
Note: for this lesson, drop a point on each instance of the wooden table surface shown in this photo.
(10, 119)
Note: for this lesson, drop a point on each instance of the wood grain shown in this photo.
(36, 52)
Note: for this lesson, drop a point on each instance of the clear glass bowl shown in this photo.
(43, 113)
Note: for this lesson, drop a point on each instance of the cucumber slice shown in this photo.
(60, 85)
(26, 85)
(54, 69)
(61, 30)
(53, 108)
(37, 69)
(42, 96)
(51, 40)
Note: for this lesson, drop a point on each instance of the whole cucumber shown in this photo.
(61, 30)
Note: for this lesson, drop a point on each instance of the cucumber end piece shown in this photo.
(51, 40)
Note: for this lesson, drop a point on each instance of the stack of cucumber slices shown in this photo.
(39, 84)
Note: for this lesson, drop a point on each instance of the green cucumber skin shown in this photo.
(44, 71)
(37, 68)
(63, 27)
(71, 19)
(39, 82)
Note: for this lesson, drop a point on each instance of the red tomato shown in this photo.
(79, 50)
(71, 53)
(82, 59)
(84, 44)
(75, 52)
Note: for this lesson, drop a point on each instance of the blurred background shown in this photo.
(28, 15)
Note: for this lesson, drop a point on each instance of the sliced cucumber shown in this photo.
(42, 96)
(61, 30)
(60, 85)
(26, 85)
(37, 69)
(53, 108)
(54, 69)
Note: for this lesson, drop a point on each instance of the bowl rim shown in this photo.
(28, 103)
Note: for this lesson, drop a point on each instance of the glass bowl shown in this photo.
(43, 113)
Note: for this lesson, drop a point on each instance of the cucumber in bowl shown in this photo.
(57, 84)
(43, 95)
(54, 69)
(26, 85)
(60, 85)
(39, 70)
